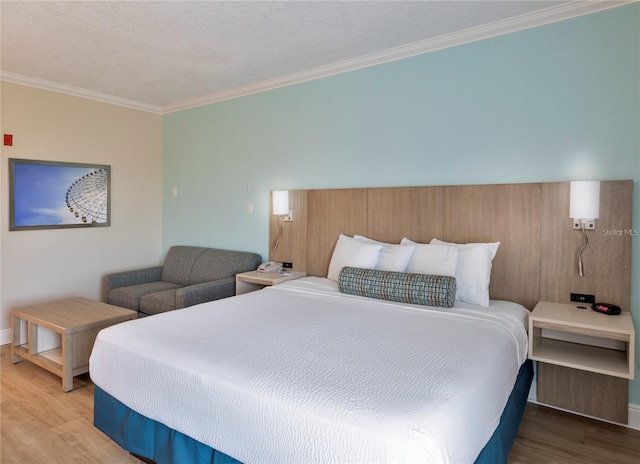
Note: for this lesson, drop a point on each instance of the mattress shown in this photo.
(302, 373)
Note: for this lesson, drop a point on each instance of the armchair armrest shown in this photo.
(207, 291)
(123, 279)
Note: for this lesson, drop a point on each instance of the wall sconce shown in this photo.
(280, 201)
(584, 209)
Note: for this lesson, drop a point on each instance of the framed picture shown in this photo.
(54, 195)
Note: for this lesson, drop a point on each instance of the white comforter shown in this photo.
(301, 373)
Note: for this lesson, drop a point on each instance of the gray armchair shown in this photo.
(189, 276)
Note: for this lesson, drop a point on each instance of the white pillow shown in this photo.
(354, 253)
(473, 274)
(392, 257)
(432, 259)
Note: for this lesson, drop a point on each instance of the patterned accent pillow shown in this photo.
(424, 289)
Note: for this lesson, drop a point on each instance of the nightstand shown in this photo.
(585, 359)
(254, 280)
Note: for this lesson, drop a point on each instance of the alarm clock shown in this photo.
(606, 308)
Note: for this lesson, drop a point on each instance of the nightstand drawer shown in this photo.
(596, 395)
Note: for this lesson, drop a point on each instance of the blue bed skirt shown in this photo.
(153, 440)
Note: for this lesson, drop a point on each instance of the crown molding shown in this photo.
(77, 92)
(527, 21)
(519, 23)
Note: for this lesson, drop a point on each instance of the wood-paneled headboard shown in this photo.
(537, 258)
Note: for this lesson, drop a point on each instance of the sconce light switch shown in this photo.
(588, 225)
(249, 208)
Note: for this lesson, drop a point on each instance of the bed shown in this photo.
(302, 372)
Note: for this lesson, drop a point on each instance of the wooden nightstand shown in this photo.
(253, 280)
(585, 359)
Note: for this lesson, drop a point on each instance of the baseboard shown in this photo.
(5, 336)
(634, 409)
(634, 416)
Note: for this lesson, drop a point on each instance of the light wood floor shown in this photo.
(42, 424)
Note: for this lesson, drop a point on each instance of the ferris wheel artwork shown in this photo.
(53, 194)
(87, 197)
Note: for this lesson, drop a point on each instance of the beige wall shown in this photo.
(43, 265)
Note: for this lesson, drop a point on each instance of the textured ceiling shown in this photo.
(163, 53)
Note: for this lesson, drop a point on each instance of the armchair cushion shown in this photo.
(214, 264)
(179, 263)
(168, 300)
(156, 303)
(189, 276)
(206, 291)
(126, 278)
(130, 296)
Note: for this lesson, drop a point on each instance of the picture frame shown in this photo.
(58, 195)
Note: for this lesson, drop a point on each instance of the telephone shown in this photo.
(606, 308)
(270, 266)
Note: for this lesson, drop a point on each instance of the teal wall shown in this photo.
(555, 103)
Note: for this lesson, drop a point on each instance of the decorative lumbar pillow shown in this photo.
(352, 252)
(473, 272)
(432, 259)
(423, 289)
(392, 257)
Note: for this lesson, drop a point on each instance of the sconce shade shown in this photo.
(281, 202)
(585, 200)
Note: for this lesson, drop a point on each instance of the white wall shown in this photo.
(44, 265)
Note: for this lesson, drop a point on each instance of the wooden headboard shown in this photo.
(537, 258)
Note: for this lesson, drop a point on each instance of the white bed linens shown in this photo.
(301, 373)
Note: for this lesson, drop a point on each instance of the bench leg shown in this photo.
(15, 330)
(67, 363)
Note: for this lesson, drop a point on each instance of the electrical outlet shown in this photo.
(580, 298)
